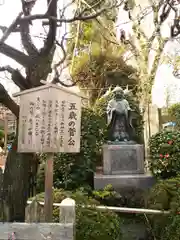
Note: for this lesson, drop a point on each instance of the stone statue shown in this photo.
(119, 117)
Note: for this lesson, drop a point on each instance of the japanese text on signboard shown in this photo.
(50, 125)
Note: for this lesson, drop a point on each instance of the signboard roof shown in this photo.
(46, 86)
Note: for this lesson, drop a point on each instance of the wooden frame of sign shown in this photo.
(49, 122)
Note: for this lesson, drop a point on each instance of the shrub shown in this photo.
(125, 197)
(174, 112)
(107, 196)
(74, 170)
(164, 153)
(91, 223)
(165, 195)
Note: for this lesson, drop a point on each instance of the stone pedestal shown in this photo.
(123, 159)
(123, 166)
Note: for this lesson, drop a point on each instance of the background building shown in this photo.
(11, 119)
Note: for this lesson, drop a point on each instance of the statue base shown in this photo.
(123, 158)
(119, 182)
(123, 167)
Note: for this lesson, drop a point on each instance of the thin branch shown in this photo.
(65, 20)
(61, 13)
(76, 40)
(55, 67)
(164, 15)
(98, 19)
(175, 28)
(10, 28)
(61, 45)
(57, 80)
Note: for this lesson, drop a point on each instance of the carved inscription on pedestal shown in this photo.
(123, 160)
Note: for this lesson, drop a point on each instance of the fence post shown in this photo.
(34, 212)
(67, 217)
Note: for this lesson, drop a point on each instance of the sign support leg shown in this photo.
(48, 206)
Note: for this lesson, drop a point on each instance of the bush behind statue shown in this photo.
(90, 222)
(165, 153)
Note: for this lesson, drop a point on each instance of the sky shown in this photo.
(164, 77)
(8, 12)
(165, 84)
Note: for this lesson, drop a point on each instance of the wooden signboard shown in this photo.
(50, 120)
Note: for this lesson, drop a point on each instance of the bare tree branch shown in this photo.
(7, 68)
(80, 17)
(61, 45)
(7, 101)
(157, 23)
(15, 54)
(49, 43)
(4, 28)
(55, 67)
(175, 28)
(10, 29)
(16, 77)
(25, 35)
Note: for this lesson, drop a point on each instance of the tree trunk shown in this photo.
(16, 183)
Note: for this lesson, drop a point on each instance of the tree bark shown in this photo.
(16, 183)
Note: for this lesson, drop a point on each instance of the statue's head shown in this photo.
(118, 92)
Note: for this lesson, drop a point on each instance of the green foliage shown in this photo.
(107, 196)
(172, 228)
(1, 138)
(91, 223)
(74, 170)
(126, 197)
(98, 61)
(174, 112)
(1, 134)
(165, 195)
(95, 30)
(101, 105)
(101, 68)
(164, 153)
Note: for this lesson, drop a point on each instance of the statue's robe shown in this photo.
(118, 120)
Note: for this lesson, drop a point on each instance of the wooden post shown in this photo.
(48, 207)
